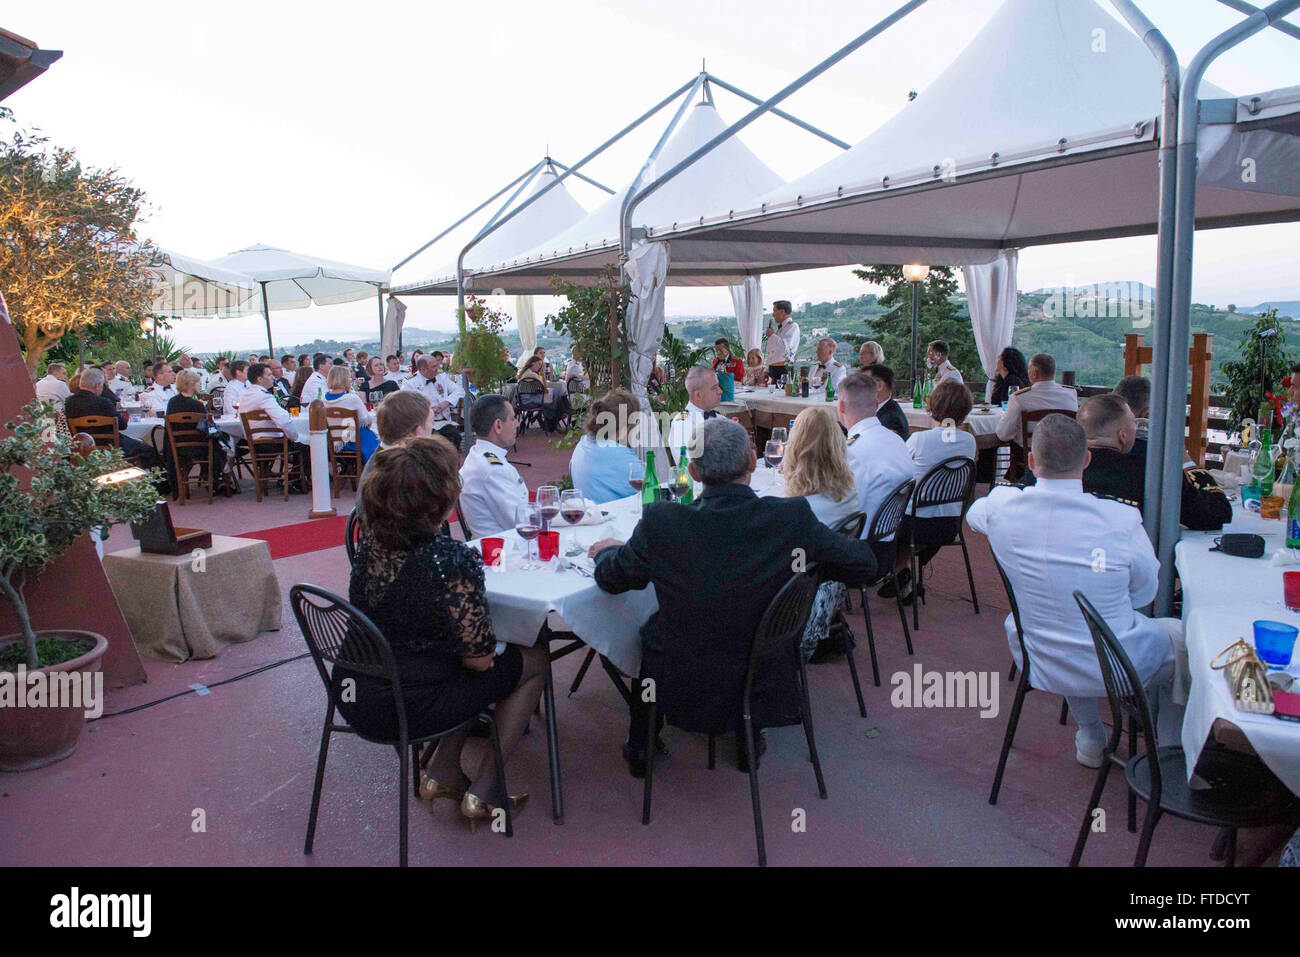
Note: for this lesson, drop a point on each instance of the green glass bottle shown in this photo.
(1263, 472)
(916, 394)
(830, 388)
(650, 487)
(683, 486)
(1293, 518)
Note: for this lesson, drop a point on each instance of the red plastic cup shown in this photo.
(1291, 590)
(548, 545)
(492, 548)
(532, 495)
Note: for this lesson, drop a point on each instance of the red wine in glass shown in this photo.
(678, 489)
(528, 532)
(636, 483)
(573, 515)
(548, 512)
(774, 461)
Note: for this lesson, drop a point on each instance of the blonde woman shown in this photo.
(755, 373)
(339, 395)
(816, 468)
(871, 353)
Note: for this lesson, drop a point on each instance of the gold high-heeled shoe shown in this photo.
(431, 790)
(474, 809)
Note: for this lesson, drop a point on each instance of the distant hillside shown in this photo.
(1290, 308)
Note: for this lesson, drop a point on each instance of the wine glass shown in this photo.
(573, 507)
(780, 435)
(548, 504)
(774, 452)
(527, 523)
(636, 476)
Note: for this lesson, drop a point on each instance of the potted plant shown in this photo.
(49, 497)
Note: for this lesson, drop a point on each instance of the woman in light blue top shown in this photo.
(600, 462)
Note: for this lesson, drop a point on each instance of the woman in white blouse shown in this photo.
(816, 468)
(949, 404)
(339, 395)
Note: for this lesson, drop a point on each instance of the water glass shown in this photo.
(1274, 642)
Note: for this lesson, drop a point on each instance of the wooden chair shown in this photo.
(1029, 418)
(267, 445)
(190, 447)
(216, 400)
(343, 426)
(101, 428)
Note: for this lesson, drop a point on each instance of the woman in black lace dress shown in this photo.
(425, 592)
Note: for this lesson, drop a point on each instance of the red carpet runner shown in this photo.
(289, 540)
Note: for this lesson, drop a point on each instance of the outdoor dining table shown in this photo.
(1222, 596)
(231, 425)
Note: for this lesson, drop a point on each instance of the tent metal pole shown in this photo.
(571, 171)
(487, 202)
(584, 177)
(380, 296)
(767, 105)
(1166, 159)
(1250, 8)
(266, 314)
(916, 317)
(1184, 238)
(781, 113)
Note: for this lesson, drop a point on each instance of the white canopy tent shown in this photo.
(193, 287)
(289, 280)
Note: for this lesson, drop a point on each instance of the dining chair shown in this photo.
(1242, 792)
(102, 428)
(886, 522)
(190, 447)
(530, 400)
(343, 427)
(267, 446)
(950, 482)
(338, 636)
(783, 623)
(852, 525)
(352, 534)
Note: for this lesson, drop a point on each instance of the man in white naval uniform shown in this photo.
(782, 342)
(155, 398)
(702, 386)
(937, 358)
(490, 486)
(315, 387)
(1052, 539)
(1044, 392)
(824, 366)
(878, 458)
(443, 393)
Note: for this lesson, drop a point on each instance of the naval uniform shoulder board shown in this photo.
(492, 458)
(1018, 391)
(854, 438)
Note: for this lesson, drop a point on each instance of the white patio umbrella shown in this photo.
(290, 280)
(193, 287)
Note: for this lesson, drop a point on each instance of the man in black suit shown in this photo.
(889, 412)
(90, 400)
(1117, 466)
(716, 564)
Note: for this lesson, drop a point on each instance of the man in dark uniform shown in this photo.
(889, 412)
(1117, 470)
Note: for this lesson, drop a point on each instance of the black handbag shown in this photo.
(1240, 545)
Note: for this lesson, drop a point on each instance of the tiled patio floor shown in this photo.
(906, 786)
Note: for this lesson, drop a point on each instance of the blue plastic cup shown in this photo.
(1274, 642)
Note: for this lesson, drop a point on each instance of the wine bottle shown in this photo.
(916, 394)
(1293, 518)
(683, 486)
(1263, 471)
(650, 486)
(830, 387)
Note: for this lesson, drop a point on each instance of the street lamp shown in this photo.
(915, 274)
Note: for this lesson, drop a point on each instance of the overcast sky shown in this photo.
(358, 131)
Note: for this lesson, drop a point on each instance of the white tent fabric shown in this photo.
(1257, 151)
(192, 287)
(296, 281)
(526, 319)
(394, 320)
(747, 298)
(549, 215)
(991, 295)
(647, 270)
(730, 174)
(1042, 130)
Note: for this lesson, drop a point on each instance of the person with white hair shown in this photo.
(826, 365)
(120, 384)
(870, 353)
(705, 394)
(716, 564)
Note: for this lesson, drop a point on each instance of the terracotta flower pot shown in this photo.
(34, 737)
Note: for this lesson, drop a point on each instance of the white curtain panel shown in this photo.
(991, 294)
(747, 298)
(526, 318)
(647, 273)
(394, 319)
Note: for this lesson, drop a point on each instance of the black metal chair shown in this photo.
(886, 522)
(530, 404)
(1242, 792)
(852, 527)
(1022, 689)
(783, 622)
(464, 522)
(338, 633)
(950, 482)
(352, 535)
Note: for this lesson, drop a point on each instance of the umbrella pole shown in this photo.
(266, 314)
(380, 297)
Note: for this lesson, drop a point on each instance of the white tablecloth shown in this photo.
(520, 600)
(1222, 597)
(230, 425)
(763, 400)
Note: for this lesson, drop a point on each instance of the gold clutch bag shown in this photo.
(1247, 677)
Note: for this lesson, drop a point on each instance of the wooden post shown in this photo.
(1199, 356)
